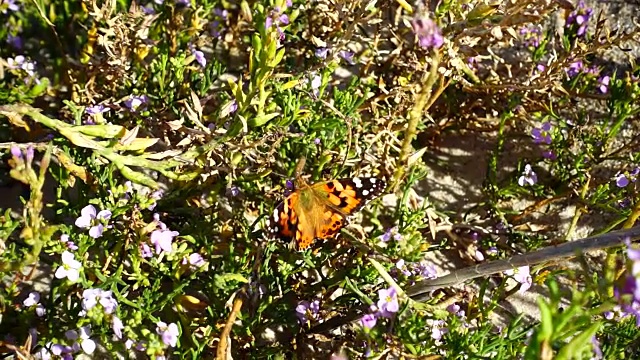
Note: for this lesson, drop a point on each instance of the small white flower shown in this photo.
(87, 345)
(528, 176)
(32, 299)
(70, 267)
(522, 276)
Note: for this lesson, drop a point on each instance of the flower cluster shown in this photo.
(628, 292)
(93, 220)
(625, 178)
(531, 36)
(577, 67)
(578, 20)
(20, 64)
(542, 135)
(413, 271)
(278, 19)
(161, 238)
(306, 311)
(391, 233)
(386, 306)
(98, 299)
(33, 301)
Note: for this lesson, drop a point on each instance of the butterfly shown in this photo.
(320, 210)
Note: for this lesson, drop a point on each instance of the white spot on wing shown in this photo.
(365, 192)
(276, 215)
(357, 182)
(373, 180)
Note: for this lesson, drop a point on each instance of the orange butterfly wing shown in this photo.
(326, 212)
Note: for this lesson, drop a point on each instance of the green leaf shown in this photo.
(261, 119)
(579, 344)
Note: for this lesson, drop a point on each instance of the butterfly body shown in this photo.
(320, 210)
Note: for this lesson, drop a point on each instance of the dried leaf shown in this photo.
(129, 136)
(415, 157)
(74, 169)
(16, 119)
(175, 124)
(137, 144)
(79, 139)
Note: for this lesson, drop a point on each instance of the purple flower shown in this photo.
(233, 107)
(622, 180)
(391, 233)
(438, 329)
(200, 58)
(368, 321)
(400, 265)
(388, 302)
(522, 276)
(162, 240)
(289, 184)
(70, 267)
(603, 84)
(32, 299)
(347, 56)
(21, 63)
(15, 41)
(8, 5)
(233, 191)
(307, 310)
(548, 154)
(574, 68)
(579, 18)
(428, 32)
(277, 18)
(596, 348)
(117, 326)
(16, 152)
(145, 251)
(169, 334)
(29, 154)
(217, 25)
(93, 297)
(195, 260)
(199, 55)
(472, 62)
(425, 270)
(528, 176)
(135, 101)
(89, 218)
(625, 178)
(317, 141)
(321, 53)
(96, 109)
(542, 134)
(64, 238)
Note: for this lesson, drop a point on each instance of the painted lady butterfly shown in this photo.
(320, 210)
